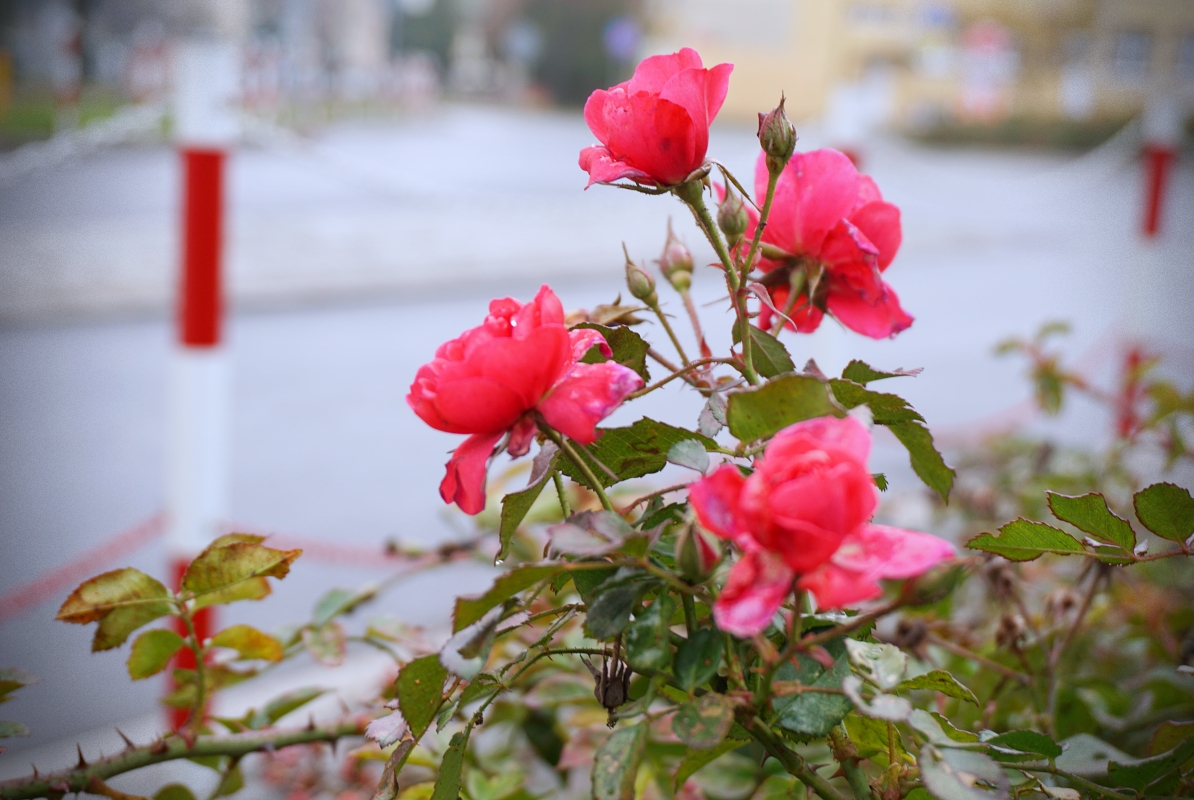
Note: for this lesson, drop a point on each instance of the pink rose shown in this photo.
(489, 380)
(825, 211)
(803, 517)
(654, 128)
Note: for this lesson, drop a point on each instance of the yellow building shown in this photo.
(920, 63)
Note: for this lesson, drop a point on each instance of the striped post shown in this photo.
(1161, 133)
(197, 461)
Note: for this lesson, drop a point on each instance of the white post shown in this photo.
(206, 86)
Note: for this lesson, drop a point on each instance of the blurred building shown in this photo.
(924, 63)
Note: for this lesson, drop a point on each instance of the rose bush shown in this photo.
(742, 632)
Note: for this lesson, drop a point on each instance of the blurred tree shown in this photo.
(574, 60)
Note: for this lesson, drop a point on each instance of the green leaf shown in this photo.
(951, 774)
(1089, 756)
(10, 729)
(249, 642)
(231, 783)
(338, 602)
(327, 644)
(698, 658)
(587, 581)
(447, 783)
(420, 692)
(696, 759)
(1166, 510)
(470, 609)
(863, 373)
(880, 481)
(885, 408)
(704, 722)
(1142, 772)
(1089, 514)
(939, 730)
(645, 641)
(689, 453)
(868, 735)
(765, 410)
(814, 713)
(152, 651)
(769, 356)
(515, 507)
(939, 680)
(1022, 540)
(280, 706)
(609, 612)
(1170, 734)
(120, 601)
(174, 791)
(1027, 742)
(234, 560)
(616, 763)
(631, 452)
(881, 664)
(13, 679)
(630, 349)
(926, 462)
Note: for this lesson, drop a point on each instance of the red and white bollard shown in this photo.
(197, 445)
(1162, 133)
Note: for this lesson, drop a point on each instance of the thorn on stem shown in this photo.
(128, 743)
(82, 761)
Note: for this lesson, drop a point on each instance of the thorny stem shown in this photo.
(656, 493)
(695, 318)
(671, 334)
(200, 670)
(693, 196)
(690, 620)
(680, 373)
(792, 762)
(580, 463)
(1060, 646)
(764, 213)
(1090, 786)
(172, 748)
(558, 481)
(964, 652)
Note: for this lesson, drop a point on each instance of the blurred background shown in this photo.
(394, 164)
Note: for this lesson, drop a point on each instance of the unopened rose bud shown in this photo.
(731, 217)
(697, 553)
(641, 284)
(777, 136)
(676, 262)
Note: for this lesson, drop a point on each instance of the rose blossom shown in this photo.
(654, 128)
(826, 212)
(803, 517)
(492, 379)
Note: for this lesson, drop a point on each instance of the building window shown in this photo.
(1185, 58)
(1133, 54)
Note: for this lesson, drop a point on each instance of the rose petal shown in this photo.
(588, 395)
(714, 498)
(882, 320)
(754, 591)
(464, 483)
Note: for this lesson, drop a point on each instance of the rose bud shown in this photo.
(777, 136)
(676, 262)
(641, 284)
(732, 217)
(697, 553)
